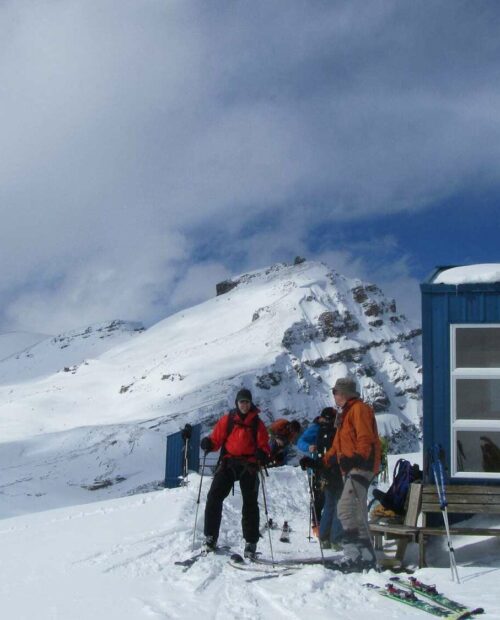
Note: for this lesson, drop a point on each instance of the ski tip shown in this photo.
(237, 558)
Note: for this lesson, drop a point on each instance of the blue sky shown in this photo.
(153, 148)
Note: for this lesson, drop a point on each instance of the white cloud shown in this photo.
(198, 284)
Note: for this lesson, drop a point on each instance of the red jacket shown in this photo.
(241, 440)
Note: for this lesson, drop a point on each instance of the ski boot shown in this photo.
(358, 556)
(209, 545)
(250, 551)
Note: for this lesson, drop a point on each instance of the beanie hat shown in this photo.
(347, 387)
(295, 426)
(244, 394)
(328, 413)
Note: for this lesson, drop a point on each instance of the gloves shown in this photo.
(261, 456)
(306, 462)
(206, 444)
(350, 462)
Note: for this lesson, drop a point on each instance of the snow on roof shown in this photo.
(470, 274)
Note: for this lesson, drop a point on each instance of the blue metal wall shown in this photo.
(175, 456)
(443, 305)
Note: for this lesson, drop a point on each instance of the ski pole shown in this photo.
(437, 469)
(198, 500)
(310, 514)
(265, 511)
(186, 435)
(313, 509)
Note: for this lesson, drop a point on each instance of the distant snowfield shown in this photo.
(15, 342)
(114, 560)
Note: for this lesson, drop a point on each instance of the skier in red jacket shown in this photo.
(244, 443)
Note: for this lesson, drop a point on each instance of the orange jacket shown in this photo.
(241, 440)
(281, 428)
(357, 434)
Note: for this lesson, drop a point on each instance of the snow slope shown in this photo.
(33, 356)
(113, 560)
(16, 342)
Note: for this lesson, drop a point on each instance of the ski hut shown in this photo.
(461, 370)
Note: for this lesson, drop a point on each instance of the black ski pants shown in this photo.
(228, 472)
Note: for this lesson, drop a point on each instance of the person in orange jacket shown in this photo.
(356, 449)
(244, 443)
(283, 433)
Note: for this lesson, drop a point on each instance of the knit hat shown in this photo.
(244, 394)
(347, 387)
(327, 413)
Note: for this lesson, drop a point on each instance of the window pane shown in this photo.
(478, 451)
(478, 399)
(478, 347)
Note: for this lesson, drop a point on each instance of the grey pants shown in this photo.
(352, 507)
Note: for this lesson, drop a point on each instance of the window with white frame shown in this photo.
(475, 400)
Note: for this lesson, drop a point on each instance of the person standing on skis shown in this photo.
(244, 443)
(327, 486)
(356, 448)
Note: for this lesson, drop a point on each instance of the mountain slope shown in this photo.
(33, 356)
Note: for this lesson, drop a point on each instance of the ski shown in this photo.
(408, 597)
(285, 533)
(330, 562)
(289, 561)
(188, 562)
(431, 592)
(237, 561)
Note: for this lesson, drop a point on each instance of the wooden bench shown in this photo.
(423, 500)
(404, 532)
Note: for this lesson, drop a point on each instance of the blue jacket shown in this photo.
(308, 438)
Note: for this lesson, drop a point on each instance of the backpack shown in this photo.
(394, 498)
(232, 421)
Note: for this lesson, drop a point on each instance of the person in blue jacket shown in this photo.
(327, 484)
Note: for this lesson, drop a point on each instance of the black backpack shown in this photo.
(394, 498)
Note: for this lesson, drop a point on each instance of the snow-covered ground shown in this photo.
(115, 560)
